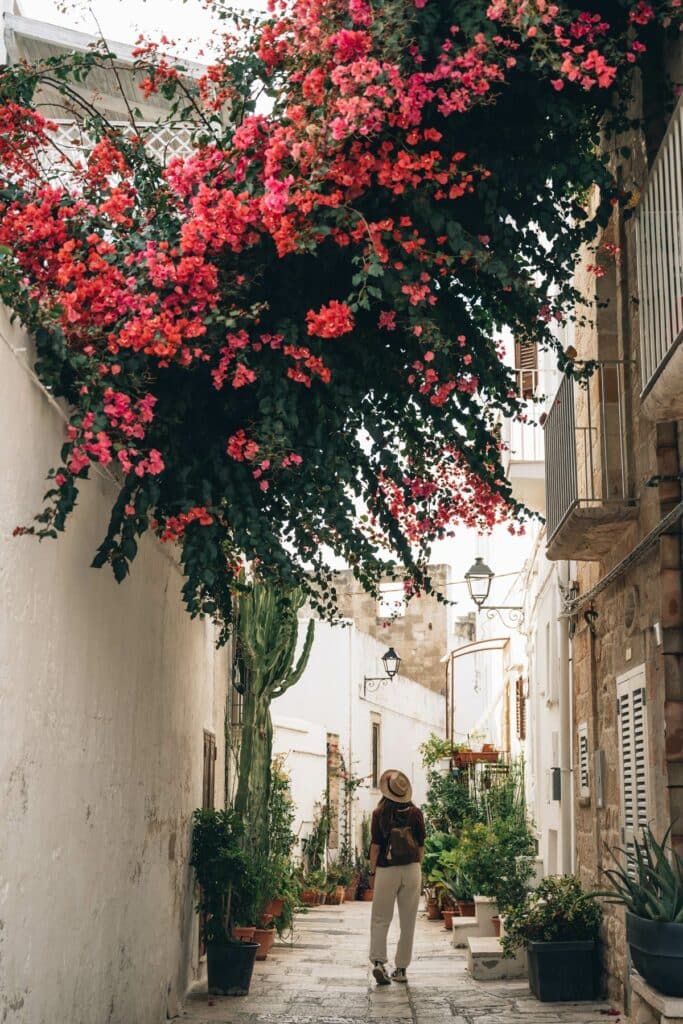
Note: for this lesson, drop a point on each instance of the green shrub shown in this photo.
(559, 910)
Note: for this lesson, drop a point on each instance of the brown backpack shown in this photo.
(402, 847)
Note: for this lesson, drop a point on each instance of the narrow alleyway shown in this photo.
(323, 979)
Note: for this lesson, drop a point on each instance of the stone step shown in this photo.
(485, 961)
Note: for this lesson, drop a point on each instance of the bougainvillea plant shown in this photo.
(287, 343)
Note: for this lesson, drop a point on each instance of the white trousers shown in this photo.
(399, 885)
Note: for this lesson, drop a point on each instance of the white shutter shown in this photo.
(633, 760)
(584, 773)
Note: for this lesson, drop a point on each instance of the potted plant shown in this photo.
(558, 924)
(222, 870)
(650, 886)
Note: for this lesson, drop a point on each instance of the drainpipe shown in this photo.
(566, 832)
(349, 806)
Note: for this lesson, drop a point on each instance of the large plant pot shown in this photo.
(351, 891)
(275, 907)
(433, 910)
(465, 908)
(368, 895)
(309, 898)
(657, 952)
(265, 937)
(230, 966)
(448, 919)
(562, 972)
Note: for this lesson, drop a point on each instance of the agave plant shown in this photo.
(650, 881)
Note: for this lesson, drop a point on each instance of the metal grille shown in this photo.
(659, 241)
(584, 775)
(585, 454)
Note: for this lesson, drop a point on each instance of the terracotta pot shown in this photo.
(243, 934)
(368, 895)
(495, 921)
(341, 891)
(351, 891)
(448, 919)
(465, 908)
(275, 907)
(265, 937)
(433, 911)
(332, 899)
(309, 898)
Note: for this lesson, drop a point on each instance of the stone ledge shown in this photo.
(485, 961)
(653, 1007)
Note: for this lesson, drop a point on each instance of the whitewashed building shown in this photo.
(374, 724)
(112, 710)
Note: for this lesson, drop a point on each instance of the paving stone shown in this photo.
(321, 976)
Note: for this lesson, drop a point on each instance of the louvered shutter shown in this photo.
(520, 709)
(632, 729)
(526, 364)
(584, 771)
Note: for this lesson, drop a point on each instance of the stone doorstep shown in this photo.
(658, 1008)
(485, 961)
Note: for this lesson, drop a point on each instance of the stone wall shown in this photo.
(645, 593)
(420, 636)
(105, 694)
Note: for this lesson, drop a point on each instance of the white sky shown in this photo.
(123, 20)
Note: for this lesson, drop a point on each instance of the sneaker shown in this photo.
(380, 974)
(399, 974)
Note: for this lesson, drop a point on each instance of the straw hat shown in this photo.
(395, 785)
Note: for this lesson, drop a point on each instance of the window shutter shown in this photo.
(526, 364)
(520, 708)
(633, 761)
(584, 773)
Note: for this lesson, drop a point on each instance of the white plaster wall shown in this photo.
(329, 699)
(105, 691)
(543, 607)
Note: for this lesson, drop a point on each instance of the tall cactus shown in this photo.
(267, 634)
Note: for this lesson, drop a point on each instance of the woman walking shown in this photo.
(396, 853)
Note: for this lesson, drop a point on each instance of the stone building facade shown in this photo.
(614, 459)
(417, 629)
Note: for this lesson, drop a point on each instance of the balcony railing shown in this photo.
(659, 243)
(586, 468)
(72, 142)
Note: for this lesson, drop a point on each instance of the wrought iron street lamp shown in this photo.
(479, 577)
(391, 662)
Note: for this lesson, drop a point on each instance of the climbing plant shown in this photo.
(266, 637)
(287, 341)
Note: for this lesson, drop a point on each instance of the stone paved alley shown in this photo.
(323, 978)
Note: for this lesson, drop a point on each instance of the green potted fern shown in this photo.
(648, 881)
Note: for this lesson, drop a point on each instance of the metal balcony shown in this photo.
(588, 497)
(659, 253)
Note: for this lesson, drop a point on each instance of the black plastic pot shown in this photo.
(657, 952)
(563, 972)
(230, 966)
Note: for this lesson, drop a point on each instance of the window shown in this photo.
(392, 601)
(520, 709)
(376, 751)
(633, 760)
(209, 780)
(526, 364)
(584, 773)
